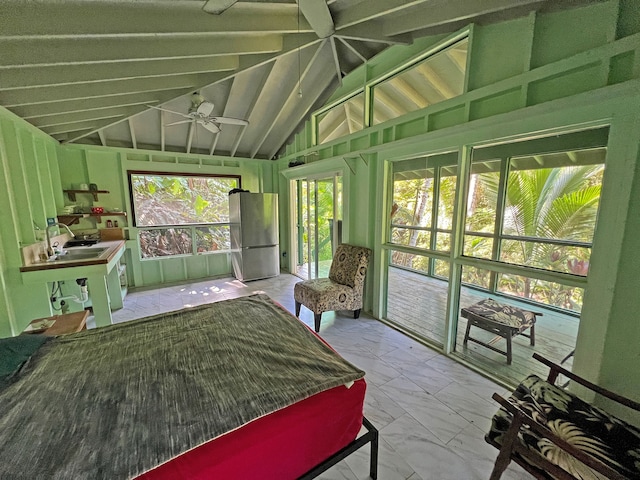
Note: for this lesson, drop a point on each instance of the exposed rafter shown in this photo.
(451, 11)
(336, 59)
(374, 9)
(318, 15)
(86, 71)
(352, 48)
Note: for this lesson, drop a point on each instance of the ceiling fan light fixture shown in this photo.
(217, 7)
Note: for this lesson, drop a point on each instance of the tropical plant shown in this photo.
(548, 203)
(172, 200)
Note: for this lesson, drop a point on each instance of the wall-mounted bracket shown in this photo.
(351, 161)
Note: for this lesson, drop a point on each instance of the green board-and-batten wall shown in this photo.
(537, 75)
(29, 193)
(36, 170)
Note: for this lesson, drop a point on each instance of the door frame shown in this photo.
(314, 174)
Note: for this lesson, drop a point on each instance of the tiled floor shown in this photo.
(431, 412)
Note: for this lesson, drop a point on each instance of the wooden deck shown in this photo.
(417, 303)
(323, 269)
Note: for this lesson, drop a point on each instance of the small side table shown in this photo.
(66, 323)
(503, 320)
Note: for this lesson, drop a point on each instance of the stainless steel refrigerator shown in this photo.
(254, 235)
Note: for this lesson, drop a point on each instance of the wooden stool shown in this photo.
(503, 320)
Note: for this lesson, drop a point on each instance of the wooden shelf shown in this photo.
(72, 193)
(73, 218)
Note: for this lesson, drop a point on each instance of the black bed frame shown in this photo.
(370, 437)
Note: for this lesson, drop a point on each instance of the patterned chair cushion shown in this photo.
(349, 265)
(588, 428)
(344, 288)
(324, 295)
(500, 313)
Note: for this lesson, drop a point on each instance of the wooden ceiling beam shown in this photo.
(449, 12)
(22, 53)
(372, 9)
(82, 105)
(318, 80)
(78, 127)
(61, 93)
(319, 17)
(353, 49)
(336, 59)
(128, 19)
(95, 113)
(372, 32)
(246, 62)
(35, 76)
(293, 96)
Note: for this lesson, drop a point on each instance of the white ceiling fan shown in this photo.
(200, 113)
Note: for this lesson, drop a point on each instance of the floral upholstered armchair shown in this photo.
(343, 290)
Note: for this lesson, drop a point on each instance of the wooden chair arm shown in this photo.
(524, 418)
(556, 369)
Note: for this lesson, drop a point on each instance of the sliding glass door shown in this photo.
(318, 216)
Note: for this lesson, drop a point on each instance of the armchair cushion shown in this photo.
(324, 295)
(343, 290)
(349, 265)
(588, 428)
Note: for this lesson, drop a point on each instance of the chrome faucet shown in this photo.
(49, 248)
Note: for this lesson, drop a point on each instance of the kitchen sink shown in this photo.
(79, 242)
(81, 254)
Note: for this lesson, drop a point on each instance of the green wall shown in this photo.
(107, 167)
(538, 75)
(36, 170)
(29, 191)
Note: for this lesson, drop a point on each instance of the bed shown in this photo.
(235, 389)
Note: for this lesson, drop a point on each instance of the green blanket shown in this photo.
(117, 401)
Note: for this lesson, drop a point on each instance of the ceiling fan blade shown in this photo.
(217, 6)
(176, 123)
(170, 111)
(212, 127)
(228, 120)
(204, 108)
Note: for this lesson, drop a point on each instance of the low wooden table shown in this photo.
(505, 321)
(67, 323)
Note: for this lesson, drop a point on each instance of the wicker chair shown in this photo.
(343, 290)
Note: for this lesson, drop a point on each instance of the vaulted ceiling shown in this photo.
(87, 71)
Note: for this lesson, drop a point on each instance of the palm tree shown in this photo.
(549, 203)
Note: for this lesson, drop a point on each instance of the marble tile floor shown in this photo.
(432, 412)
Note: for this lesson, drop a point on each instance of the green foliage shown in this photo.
(180, 200)
(546, 203)
(201, 204)
(170, 200)
(325, 222)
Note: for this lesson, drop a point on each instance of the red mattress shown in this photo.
(282, 445)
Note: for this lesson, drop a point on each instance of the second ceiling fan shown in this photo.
(200, 113)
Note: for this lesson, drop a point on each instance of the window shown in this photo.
(181, 214)
(537, 211)
(341, 120)
(439, 77)
(422, 214)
